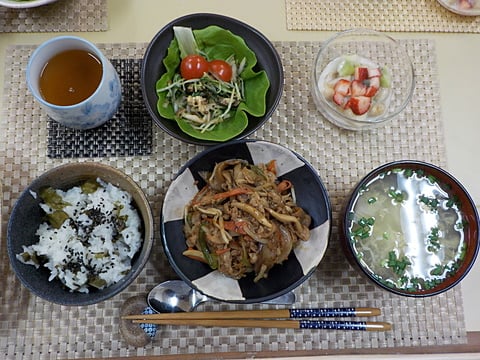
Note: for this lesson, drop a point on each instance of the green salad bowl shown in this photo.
(263, 76)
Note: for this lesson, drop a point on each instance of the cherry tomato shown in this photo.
(193, 67)
(220, 69)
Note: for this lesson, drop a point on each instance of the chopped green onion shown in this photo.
(431, 203)
(398, 265)
(397, 195)
(408, 173)
(433, 240)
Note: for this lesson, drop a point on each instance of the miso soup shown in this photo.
(407, 230)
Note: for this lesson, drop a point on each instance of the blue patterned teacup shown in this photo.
(89, 113)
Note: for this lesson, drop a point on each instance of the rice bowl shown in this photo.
(97, 238)
(27, 215)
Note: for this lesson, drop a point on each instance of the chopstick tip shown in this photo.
(379, 326)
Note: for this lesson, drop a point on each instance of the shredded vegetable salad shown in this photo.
(208, 100)
(210, 87)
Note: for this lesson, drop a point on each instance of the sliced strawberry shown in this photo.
(374, 72)
(360, 104)
(373, 86)
(375, 81)
(342, 87)
(339, 99)
(465, 4)
(358, 88)
(371, 91)
(361, 73)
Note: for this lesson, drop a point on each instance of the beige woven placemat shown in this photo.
(36, 329)
(62, 15)
(381, 15)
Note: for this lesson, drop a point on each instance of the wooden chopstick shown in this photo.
(269, 318)
(259, 314)
(284, 324)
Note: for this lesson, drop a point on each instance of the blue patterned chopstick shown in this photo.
(269, 318)
(280, 324)
(333, 312)
(267, 314)
(344, 325)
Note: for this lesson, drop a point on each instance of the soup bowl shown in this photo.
(411, 228)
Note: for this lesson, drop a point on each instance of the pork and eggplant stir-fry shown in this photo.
(244, 220)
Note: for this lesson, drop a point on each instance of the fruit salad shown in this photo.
(464, 4)
(356, 86)
(462, 7)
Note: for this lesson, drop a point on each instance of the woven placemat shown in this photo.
(31, 327)
(129, 132)
(392, 15)
(62, 15)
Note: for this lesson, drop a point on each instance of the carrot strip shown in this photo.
(284, 185)
(230, 193)
(272, 166)
(221, 251)
(236, 226)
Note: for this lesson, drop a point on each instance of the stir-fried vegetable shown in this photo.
(242, 221)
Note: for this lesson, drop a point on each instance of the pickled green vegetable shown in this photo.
(97, 282)
(57, 218)
(51, 198)
(89, 186)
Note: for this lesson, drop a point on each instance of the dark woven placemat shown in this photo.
(128, 133)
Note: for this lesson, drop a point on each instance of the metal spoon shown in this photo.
(176, 296)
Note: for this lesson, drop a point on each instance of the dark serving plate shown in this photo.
(153, 68)
(310, 194)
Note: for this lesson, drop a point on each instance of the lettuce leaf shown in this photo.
(218, 43)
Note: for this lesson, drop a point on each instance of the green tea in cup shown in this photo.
(70, 77)
(74, 82)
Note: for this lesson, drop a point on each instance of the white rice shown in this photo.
(87, 247)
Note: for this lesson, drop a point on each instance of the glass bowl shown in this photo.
(462, 7)
(362, 79)
(24, 4)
